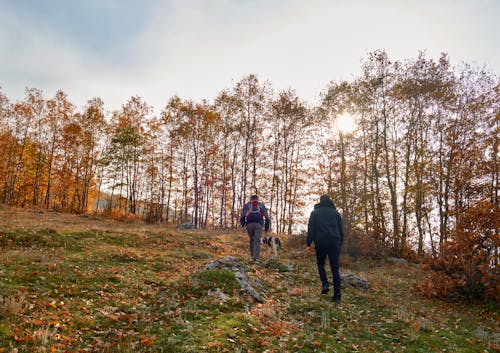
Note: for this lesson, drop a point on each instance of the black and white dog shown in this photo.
(273, 243)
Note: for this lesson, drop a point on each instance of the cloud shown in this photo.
(31, 55)
(118, 48)
(38, 52)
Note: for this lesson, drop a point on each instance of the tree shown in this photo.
(60, 111)
(287, 133)
(251, 101)
(125, 152)
(228, 141)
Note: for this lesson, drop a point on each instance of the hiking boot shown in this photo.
(336, 300)
(324, 288)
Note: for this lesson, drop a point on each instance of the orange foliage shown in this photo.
(359, 245)
(468, 264)
(119, 214)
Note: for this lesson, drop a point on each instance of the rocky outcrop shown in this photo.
(235, 265)
(230, 263)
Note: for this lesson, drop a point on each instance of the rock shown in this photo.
(231, 263)
(397, 260)
(226, 263)
(356, 281)
(186, 225)
(276, 265)
(218, 293)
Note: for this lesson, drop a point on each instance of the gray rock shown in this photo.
(230, 263)
(274, 264)
(356, 281)
(218, 293)
(226, 263)
(186, 225)
(397, 260)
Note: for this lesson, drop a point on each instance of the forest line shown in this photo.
(423, 154)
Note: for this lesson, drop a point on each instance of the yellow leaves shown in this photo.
(296, 291)
(37, 322)
(253, 328)
(277, 328)
(58, 325)
(148, 341)
(16, 337)
(215, 344)
(316, 344)
(78, 273)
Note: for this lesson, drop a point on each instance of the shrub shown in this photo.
(467, 265)
(359, 245)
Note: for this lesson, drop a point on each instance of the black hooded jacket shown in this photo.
(325, 226)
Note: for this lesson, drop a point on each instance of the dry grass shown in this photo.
(36, 219)
(70, 283)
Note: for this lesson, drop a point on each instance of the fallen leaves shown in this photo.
(147, 341)
(133, 291)
(296, 291)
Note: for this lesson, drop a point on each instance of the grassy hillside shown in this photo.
(82, 284)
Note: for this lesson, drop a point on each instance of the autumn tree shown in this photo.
(125, 153)
(80, 151)
(251, 99)
(288, 130)
(229, 142)
(59, 112)
(7, 147)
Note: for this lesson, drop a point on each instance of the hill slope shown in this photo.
(82, 284)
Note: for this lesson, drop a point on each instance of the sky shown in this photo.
(116, 49)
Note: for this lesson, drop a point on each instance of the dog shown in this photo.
(272, 242)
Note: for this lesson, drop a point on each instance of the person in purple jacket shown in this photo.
(256, 219)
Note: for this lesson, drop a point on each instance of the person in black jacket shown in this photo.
(326, 230)
(256, 219)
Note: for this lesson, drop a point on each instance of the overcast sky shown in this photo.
(115, 49)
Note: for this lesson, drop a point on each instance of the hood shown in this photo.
(325, 200)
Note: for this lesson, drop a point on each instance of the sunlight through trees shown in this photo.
(405, 149)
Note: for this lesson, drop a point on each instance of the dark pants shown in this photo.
(333, 253)
(254, 233)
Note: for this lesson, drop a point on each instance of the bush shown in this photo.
(359, 245)
(467, 265)
(120, 215)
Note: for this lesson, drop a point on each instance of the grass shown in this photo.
(76, 284)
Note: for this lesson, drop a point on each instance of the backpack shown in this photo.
(254, 213)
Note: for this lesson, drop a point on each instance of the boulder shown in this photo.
(274, 264)
(356, 281)
(186, 225)
(397, 260)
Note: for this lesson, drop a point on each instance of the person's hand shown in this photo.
(309, 250)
